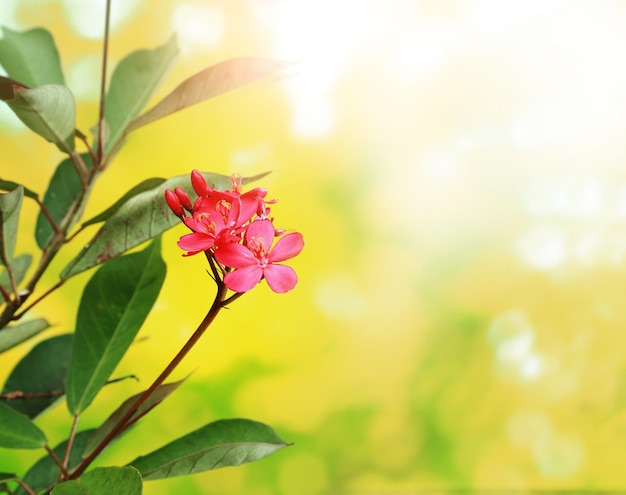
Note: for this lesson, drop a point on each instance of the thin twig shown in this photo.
(39, 299)
(68, 448)
(105, 56)
(57, 461)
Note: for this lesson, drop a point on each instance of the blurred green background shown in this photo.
(457, 170)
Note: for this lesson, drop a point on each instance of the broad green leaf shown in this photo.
(10, 206)
(19, 266)
(16, 334)
(140, 218)
(48, 110)
(103, 481)
(17, 431)
(208, 83)
(30, 57)
(42, 370)
(64, 188)
(9, 185)
(159, 395)
(228, 442)
(133, 82)
(45, 472)
(114, 305)
(145, 185)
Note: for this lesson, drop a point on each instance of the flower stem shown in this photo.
(128, 418)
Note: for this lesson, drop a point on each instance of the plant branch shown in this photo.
(39, 299)
(127, 419)
(105, 56)
(27, 488)
(56, 460)
(68, 448)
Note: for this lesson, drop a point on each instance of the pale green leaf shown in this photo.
(48, 110)
(210, 82)
(16, 334)
(30, 57)
(10, 206)
(142, 217)
(133, 82)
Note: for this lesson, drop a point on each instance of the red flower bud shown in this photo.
(183, 198)
(174, 203)
(199, 184)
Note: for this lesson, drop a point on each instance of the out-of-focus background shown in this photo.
(458, 171)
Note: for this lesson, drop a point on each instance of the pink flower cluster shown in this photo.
(236, 230)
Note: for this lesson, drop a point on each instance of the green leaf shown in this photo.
(133, 82)
(139, 219)
(30, 57)
(159, 395)
(64, 188)
(42, 370)
(48, 110)
(45, 472)
(19, 266)
(145, 185)
(4, 477)
(16, 334)
(103, 481)
(17, 431)
(10, 206)
(228, 442)
(208, 83)
(114, 305)
(9, 185)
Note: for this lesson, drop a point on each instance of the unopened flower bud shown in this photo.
(183, 198)
(199, 184)
(174, 203)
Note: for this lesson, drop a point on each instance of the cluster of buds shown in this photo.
(235, 230)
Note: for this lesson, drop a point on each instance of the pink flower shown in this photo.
(256, 259)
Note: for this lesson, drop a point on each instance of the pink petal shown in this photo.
(243, 279)
(280, 278)
(261, 229)
(235, 255)
(287, 247)
(196, 241)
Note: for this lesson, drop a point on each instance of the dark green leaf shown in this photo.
(208, 83)
(16, 334)
(159, 395)
(145, 185)
(114, 305)
(132, 84)
(19, 266)
(44, 473)
(139, 219)
(4, 477)
(10, 206)
(9, 185)
(17, 431)
(64, 188)
(42, 370)
(228, 442)
(48, 110)
(103, 481)
(30, 57)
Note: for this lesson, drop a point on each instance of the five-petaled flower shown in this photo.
(234, 229)
(256, 259)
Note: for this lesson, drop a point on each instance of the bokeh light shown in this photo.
(456, 169)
